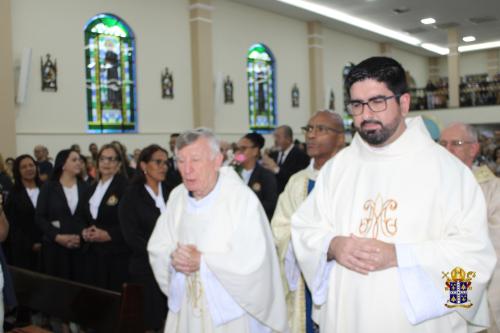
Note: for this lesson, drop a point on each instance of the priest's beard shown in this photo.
(381, 135)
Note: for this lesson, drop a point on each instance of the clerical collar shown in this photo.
(195, 205)
(413, 139)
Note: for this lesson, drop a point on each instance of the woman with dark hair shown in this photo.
(108, 254)
(259, 179)
(60, 214)
(25, 236)
(141, 205)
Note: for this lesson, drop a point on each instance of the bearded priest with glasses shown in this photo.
(393, 237)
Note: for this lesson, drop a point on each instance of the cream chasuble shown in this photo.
(294, 194)
(490, 184)
(238, 287)
(412, 193)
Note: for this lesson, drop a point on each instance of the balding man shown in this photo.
(462, 141)
(288, 160)
(324, 134)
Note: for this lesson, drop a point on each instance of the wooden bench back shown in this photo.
(102, 310)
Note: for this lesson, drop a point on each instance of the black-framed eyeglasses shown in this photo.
(454, 143)
(319, 129)
(375, 104)
(109, 159)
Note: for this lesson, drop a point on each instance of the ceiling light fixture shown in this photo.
(469, 39)
(428, 20)
(349, 19)
(435, 48)
(481, 46)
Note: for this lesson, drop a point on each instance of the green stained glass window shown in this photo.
(110, 74)
(261, 89)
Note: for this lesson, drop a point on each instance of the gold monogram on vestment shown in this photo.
(379, 218)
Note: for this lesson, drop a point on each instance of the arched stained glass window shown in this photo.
(261, 89)
(110, 72)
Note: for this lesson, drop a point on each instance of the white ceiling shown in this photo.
(459, 13)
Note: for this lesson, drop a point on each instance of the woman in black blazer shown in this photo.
(25, 236)
(108, 254)
(259, 179)
(60, 214)
(140, 207)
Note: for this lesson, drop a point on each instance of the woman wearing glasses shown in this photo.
(259, 179)
(108, 254)
(141, 205)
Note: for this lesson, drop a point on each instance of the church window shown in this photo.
(110, 75)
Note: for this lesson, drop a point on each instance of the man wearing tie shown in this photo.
(288, 160)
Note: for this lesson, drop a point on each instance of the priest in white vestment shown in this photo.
(324, 136)
(462, 141)
(212, 251)
(394, 236)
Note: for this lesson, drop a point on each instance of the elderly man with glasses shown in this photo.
(394, 224)
(462, 141)
(324, 134)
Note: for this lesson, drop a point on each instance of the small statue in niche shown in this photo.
(331, 103)
(49, 74)
(295, 96)
(228, 90)
(167, 84)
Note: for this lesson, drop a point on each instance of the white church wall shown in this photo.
(236, 28)
(56, 27)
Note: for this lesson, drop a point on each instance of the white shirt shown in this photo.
(96, 199)
(71, 194)
(33, 194)
(246, 174)
(158, 199)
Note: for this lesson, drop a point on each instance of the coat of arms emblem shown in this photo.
(458, 285)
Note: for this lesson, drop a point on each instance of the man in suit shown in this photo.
(288, 160)
(173, 176)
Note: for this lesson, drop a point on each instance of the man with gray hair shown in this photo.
(462, 141)
(212, 251)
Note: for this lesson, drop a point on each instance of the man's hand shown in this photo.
(362, 255)
(268, 163)
(186, 259)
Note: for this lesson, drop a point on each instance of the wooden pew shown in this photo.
(101, 310)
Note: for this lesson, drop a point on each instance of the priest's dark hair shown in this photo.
(382, 69)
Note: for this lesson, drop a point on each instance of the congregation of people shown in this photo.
(326, 236)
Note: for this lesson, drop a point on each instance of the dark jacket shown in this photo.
(263, 183)
(295, 161)
(23, 232)
(108, 261)
(107, 216)
(174, 177)
(53, 206)
(138, 214)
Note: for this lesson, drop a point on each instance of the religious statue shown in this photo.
(295, 96)
(112, 66)
(167, 84)
(49, 74)
(331, 102)
(228, 90)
